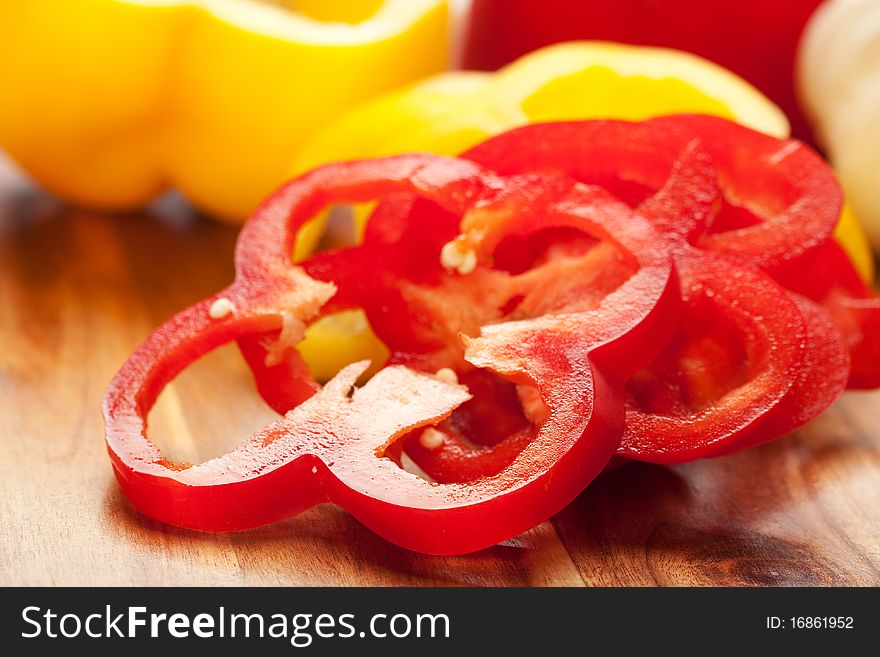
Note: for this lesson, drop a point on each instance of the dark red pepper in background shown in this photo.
(756, 39)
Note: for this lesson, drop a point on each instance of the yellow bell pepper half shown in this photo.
(450, 112)
(107, 103)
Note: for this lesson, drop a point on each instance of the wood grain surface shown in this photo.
(79, 290)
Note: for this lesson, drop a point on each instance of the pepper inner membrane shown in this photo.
(707, 358)
(554, 269)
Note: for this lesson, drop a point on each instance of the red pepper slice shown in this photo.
(822, 376)
(780, 203)
(422, 305)
(749, 363)
(831, 280)
(792, 195)
(336, 445)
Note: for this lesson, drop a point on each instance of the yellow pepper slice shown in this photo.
(450, 112)
(107, 103)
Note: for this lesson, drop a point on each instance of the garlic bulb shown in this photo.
(838, 73)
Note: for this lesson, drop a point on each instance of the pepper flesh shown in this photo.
(110, 102)
(335, 445)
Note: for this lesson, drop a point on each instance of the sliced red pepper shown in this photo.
(787, 187)
(831, 280)
(535, 264)
(822, 377)
(336, 445)
(789, 192)
(749, 363)
(780, 203)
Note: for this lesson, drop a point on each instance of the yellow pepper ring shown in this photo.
(110, 102)
(451, 112)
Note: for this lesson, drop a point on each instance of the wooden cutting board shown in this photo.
(79, 290)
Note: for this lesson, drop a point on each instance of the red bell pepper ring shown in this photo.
(833, 282)
(823, 272)
(822, 377)
(780, 203)
(790, 191)
(422, 305)
(749, 363)
(335, 446)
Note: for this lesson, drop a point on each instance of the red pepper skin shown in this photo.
(755, 39)
(795, 363)
(333, 446)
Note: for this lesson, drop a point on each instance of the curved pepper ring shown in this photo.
(334, 446)
(749, 361)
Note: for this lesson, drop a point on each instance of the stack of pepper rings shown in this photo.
(662, 291)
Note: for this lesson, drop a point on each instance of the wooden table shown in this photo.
(79, 290)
